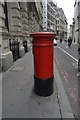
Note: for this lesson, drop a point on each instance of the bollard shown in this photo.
(43, 62)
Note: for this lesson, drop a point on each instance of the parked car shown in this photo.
(55, 42)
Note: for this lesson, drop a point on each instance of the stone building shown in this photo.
(55, 19)
(76, 20)
(51, 21)
(17, 21)
(49, 16)
(70, 31)
(61, 24)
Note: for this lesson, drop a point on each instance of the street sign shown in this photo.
(44, 15)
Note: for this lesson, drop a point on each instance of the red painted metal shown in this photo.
(43, 54)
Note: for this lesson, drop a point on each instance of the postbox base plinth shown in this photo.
(43, 87)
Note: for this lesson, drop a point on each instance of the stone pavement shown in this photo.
(19, 99)
(0, 95)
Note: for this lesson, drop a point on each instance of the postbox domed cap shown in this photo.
(43, 34)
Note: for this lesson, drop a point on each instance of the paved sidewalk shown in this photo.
(19, 99)
(0, 96)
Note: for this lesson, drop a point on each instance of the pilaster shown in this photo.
(6, 59)
(24, 19)
(15, 27)
(14, 18)
(4, 35)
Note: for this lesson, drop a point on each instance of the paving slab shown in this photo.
(0, 95)
(19, 99)
(65, 107)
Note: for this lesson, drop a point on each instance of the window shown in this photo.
(6, 15)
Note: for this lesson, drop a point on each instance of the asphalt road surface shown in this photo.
(66, 60)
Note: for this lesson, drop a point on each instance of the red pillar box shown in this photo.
(43, 62)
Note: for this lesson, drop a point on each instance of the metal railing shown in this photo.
(14, 47)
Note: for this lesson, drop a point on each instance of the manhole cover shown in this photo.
(17, 68)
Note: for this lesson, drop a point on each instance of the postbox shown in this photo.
(43, 53)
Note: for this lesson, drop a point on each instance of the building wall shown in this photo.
(75, 36)
(57, 23)
(70, 31)
(51, 21)
(33, 18)
(3, 29)
(17, 21)
(4, 35)
(54, 20)
(61, 25)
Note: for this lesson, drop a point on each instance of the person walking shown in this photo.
(60, 40)
(69, 41)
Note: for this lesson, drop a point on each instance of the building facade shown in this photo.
(51, 19)
(54, 19)
(76, 20)
(17, 21)
(61, 24)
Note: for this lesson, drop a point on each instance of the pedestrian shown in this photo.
(69, 41)
(60, 40)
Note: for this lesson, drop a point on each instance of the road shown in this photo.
(66, 60)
